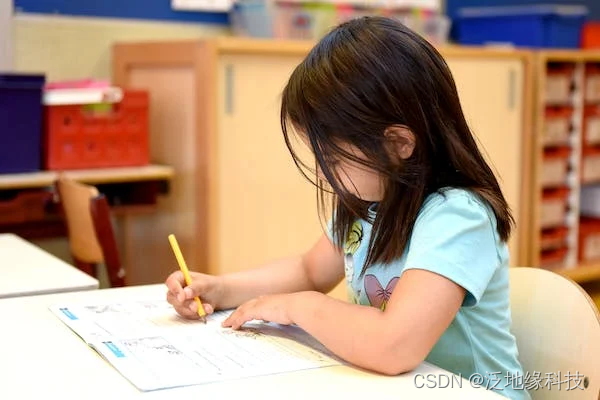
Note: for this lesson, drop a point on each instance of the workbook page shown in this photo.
(154, 348)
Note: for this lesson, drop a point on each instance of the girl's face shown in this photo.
(364, 183)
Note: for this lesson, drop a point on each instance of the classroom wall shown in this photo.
(6, 42)
(79, 47)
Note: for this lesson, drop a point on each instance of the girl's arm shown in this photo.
(393, 341)
(320, 270)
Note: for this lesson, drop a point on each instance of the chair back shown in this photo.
(91, 236)
(557, 328)
(75, 199)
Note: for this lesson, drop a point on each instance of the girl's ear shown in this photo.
(401, 140)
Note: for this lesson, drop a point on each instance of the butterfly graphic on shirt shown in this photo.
(354, 238)
(352, 244)
(378, 295)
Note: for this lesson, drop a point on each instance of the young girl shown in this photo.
(419, 227)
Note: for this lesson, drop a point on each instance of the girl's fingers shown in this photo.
(238, 318)
(208, 308)
(175, 285)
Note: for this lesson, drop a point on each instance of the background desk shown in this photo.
(53, 361)
(26, 269)
(129, 190)
(27, 208)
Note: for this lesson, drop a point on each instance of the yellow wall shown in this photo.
(68, 47)
(6, 44)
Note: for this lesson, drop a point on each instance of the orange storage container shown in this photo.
(590, 35)
(590, 171)
(591, 125)
(592, 83)
(90, 136)
(552, 259)
(589, 239)
(555, 238)
(557, 126)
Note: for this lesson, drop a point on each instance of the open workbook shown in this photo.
(154, 348)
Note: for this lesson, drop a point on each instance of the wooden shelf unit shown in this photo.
(560, 103)
(584, 272)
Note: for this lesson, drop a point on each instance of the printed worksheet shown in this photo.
(154, 348)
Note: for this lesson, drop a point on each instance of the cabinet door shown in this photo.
(491, 94)
(266, 208)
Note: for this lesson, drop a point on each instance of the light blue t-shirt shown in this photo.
(454, 236)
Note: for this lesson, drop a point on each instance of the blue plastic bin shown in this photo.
(21, 112)
(252, 18)
(539, 26)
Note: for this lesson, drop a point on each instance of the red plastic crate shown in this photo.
(79, 136)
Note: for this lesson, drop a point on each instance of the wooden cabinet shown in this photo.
(238, 199)
(493, 90)
(265, 208)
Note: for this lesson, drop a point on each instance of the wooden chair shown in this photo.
(557, 327)
(91, 235)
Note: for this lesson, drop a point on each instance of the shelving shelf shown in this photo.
(584, 272)
(563, 85)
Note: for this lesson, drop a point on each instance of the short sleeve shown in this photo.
(454, 237)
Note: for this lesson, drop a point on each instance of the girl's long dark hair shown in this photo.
(364, 76)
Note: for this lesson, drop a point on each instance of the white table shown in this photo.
(40, 357)
(25, 269)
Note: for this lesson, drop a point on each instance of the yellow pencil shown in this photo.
(186, 273)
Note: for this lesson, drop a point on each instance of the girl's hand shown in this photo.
(208, 287)
(273, 308)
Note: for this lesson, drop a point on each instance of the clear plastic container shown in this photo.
(555, 167)
(557, 126)
(310, 20)
(252, 18)
(591, 125)
(554, 208)
(559, 84)
(590, 200)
